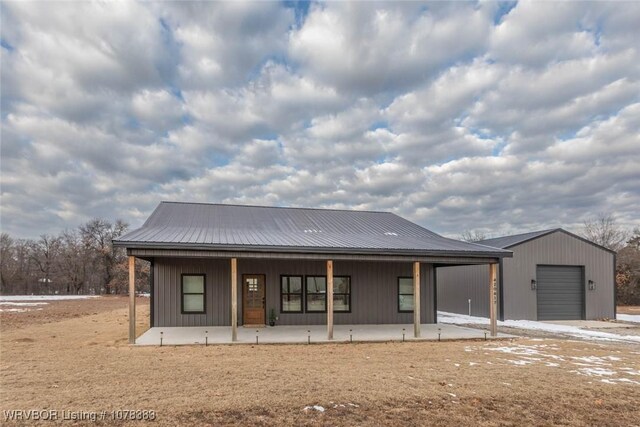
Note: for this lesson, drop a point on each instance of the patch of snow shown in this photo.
(595, 372)
(595, 360)
(44, 297)
(574, 331)
(452, 395)
(24, 304)
(633, 318)
(520, 362)
(472, 363)
(315, 408)
(619, 380)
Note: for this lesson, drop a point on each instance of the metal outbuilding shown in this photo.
(553, 275)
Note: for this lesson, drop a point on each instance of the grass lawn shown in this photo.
(73, 355)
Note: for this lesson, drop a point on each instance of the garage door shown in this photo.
(560, 293)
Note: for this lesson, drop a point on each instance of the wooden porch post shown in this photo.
(132, 300)
(493, 298)
(416, 299)
(329, 299)
(234, 299)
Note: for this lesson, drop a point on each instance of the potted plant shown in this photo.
(272, 317)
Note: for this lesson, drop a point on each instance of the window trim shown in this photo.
(204, 293)
(302, 297)
(398, 294)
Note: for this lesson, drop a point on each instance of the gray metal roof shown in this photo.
(217, 226)
(506, 242)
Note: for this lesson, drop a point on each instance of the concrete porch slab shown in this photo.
(301, 334)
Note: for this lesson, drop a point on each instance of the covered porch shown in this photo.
(329, 326)
(311, 334)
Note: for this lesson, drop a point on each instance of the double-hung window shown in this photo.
(342, 294)
(405, 294)
(316, 294)
(193, 293)
(291, 294)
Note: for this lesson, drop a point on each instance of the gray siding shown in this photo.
(457, 284)
(373, 290)
(557, 249)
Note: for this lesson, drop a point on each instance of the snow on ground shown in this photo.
(16, 310)
(573, 331)
(633, 318)
(314, 407)
(44, 297)
(24, 304)
(606, 369)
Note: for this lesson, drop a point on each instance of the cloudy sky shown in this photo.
(498, 117)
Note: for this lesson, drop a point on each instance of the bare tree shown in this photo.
(7, 260)
(73, 261)
(44, 253)
(98, 234)
(472, 236)
(604, 231)
(628, 271)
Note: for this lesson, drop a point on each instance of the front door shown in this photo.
(253, 299)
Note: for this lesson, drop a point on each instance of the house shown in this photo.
(230, 265)
(553, 275)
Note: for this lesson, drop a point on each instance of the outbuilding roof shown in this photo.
(506, 242)
(178, 225)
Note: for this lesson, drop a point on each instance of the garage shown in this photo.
(553, 275)
(560, 293)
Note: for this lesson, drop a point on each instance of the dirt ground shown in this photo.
(83, 363)
(628, 309)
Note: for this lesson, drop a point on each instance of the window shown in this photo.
(316, 294)
(342, 294)
(405, 294)
(193, 289)
(291, 294)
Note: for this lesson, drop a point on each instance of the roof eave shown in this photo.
(499, 253)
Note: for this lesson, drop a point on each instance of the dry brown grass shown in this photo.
(84, 363)
(628, 309)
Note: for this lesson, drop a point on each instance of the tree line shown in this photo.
(77, 261)
(604, 231)
(84, 260)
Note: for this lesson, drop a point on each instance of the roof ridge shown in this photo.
(520, 234)
(275, 207)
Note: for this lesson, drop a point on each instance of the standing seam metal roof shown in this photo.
(176, 224)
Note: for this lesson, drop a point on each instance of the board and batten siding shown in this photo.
(374, 290)
(457, 284)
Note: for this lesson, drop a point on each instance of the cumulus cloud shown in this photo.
(456, 115)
